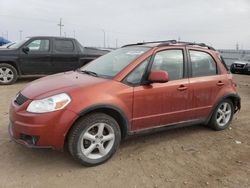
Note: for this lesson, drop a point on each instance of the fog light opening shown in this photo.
(29, 139)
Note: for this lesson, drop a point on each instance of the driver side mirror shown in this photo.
(26, 49)
(158, 76)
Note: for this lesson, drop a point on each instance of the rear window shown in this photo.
(64, 45)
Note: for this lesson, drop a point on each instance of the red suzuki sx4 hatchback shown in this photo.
(139, 88)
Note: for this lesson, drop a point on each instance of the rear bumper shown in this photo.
(237, 103)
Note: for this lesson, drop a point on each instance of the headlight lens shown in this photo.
(50, 104)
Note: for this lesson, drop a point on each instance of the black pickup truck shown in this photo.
(43, 55)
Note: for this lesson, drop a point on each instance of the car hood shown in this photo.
(241, 62)
(59, 83)
(6, 51)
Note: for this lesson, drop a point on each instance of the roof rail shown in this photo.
(151, 42)
(189, 43)
(169, 42)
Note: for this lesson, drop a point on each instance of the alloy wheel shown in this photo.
(6, 75)
(224, 114)
(97, 141)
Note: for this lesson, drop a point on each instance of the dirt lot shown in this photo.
(187, 157)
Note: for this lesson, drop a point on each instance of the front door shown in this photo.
(38, 59)
(160, 104)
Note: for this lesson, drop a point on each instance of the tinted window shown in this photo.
(136, 75)
(170, 61)
(64, 45)
(202, 64)
(39, 45)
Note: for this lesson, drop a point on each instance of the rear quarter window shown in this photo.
(222, 61)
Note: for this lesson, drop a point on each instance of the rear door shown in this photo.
(206, 82)
(38, 59)
(65, 55)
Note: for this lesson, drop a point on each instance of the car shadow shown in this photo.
(45, 157)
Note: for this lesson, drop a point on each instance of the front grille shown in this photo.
(239, 66)
(20, 99)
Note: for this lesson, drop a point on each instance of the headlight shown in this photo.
(50, 104)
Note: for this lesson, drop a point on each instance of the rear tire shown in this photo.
(8, 74)
(94, 139)
(222, 115)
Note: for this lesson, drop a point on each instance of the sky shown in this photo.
(220, 23)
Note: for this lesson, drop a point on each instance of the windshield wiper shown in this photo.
(90, 73)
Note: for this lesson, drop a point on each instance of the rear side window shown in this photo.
(64, 45)
(170, 61)
(202, 64)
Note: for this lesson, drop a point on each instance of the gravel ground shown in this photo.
(186, 157)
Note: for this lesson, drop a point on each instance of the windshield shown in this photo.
(7, 45)
(112, 63)
(18, 44)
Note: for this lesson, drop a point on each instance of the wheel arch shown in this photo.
(110, 110)
(235, 98)
(12, 63)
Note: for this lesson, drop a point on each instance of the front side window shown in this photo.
(202, 64)
(39, 45)
(112, 63)
(170, 61)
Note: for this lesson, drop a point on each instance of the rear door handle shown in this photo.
(220, 83)
(182, 87)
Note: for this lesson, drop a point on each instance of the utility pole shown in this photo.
(60, 26)
(116, 43)
(237, 46)
(20, 34)
(104, 38)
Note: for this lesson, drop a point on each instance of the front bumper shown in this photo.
(24, 142)
(47, 130)
(244, 70)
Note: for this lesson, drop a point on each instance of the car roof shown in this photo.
(54, 37)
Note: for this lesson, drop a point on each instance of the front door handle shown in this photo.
(182, 87)
(220, 83)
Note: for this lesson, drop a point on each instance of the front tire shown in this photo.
(8, 74)
(222, 115)
(94, 139)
